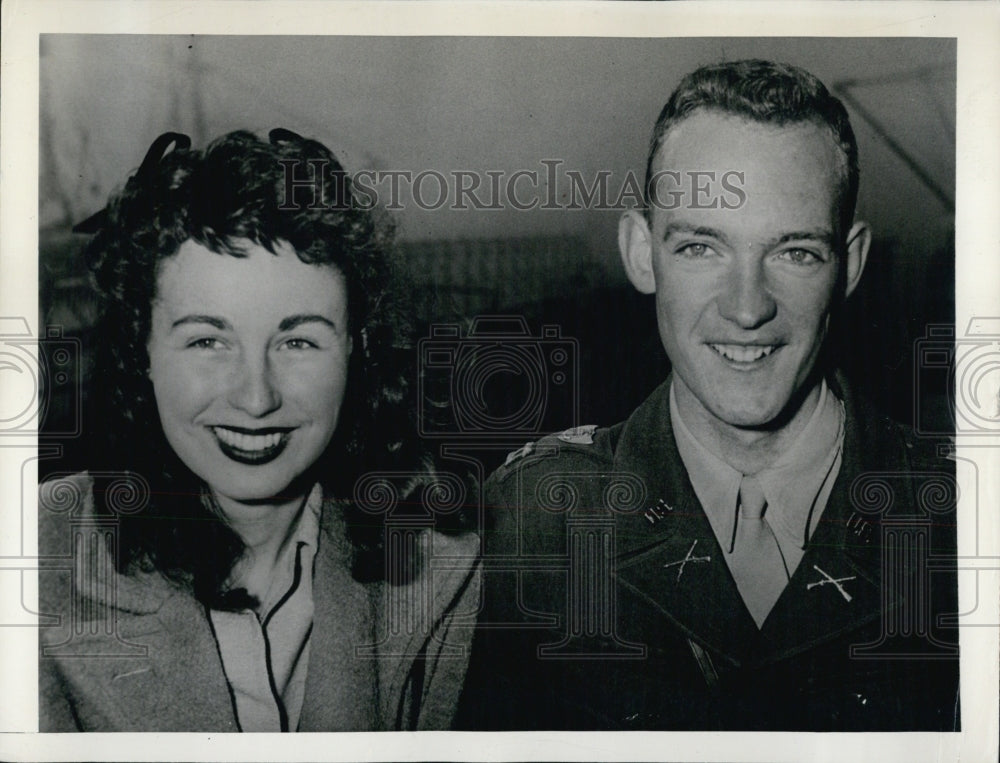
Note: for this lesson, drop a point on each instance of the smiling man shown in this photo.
(743, 299)
(713, 562)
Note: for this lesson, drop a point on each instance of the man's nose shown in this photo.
(746, 299)
(253, 387)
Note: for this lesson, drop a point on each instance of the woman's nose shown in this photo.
(253, 389)
(746, 299)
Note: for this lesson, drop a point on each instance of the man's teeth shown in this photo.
(248, 441)
(742, 353)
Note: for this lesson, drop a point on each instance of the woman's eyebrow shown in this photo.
(220, 323)
(293, 321)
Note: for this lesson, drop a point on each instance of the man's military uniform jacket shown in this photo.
(609, 605)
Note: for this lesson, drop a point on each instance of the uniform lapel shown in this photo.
(846, 548)
(704, 601)
(667, 553)
(837, 586)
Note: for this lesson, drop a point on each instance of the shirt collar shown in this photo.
(307, 526)
(793, 482)
(715, 482)
(791, 485)
(304, 532)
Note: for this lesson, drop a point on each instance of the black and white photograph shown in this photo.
(501, 381)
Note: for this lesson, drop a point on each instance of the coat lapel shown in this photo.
(372, 657)
(178, 685)
(699, 595)
(846, 548)
(156, 665)
(667, 552)
(139, 653)
(413, 654)
(341, 686)
(191, 691)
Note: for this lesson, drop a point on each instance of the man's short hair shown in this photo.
(766, 92)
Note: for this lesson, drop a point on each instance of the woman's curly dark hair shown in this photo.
(288, 189)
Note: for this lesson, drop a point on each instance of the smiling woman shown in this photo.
(244, 384)
(248, 359)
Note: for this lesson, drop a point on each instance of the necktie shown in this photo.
(757, 564)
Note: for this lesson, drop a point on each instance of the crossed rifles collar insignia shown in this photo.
(828, 579)
(660, 510)
(680, 564)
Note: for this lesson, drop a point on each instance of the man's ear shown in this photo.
(858, 241)
(636, 250)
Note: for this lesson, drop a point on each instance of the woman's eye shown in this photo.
(299, 344)
(205, 343)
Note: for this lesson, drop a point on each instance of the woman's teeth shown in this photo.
(247, 442)
(741, 353)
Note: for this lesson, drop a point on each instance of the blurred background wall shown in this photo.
(508, 104)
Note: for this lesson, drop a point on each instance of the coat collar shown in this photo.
(139, 664)
(669, 557)
(149, 671)
(158, 668)
(342, 620)
(370, 636)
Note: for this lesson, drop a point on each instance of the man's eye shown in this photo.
(695, 250)
(800, 257)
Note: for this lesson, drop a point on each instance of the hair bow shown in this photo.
(155, 154)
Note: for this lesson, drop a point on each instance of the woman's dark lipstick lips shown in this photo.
(259, 455)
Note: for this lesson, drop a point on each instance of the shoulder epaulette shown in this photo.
(525, 450)
(579, 435)
(580, 440)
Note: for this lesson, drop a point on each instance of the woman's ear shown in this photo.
(636, 250)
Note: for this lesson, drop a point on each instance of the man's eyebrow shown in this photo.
(820, 235)
(694, 230)
(211, 320)
(823, 236)
(294, 321)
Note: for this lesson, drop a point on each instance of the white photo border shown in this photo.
(976, 26)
